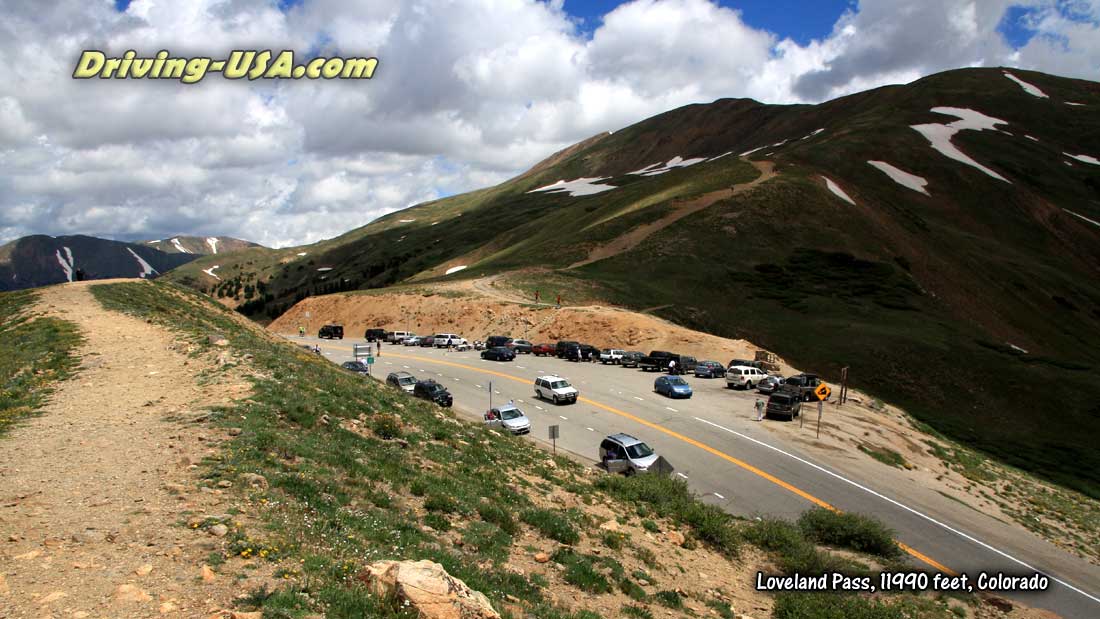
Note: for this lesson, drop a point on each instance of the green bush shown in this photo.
(638, 612)
(671, 599)
(552, 524)
(847, 530)
(491, 512)
(580, 571)
(838, 606)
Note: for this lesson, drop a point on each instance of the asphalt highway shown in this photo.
(729, 459)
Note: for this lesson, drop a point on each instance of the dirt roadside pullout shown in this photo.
(93, 491)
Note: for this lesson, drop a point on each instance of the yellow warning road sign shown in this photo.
(822, 392)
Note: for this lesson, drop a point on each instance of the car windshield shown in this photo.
(508, 414)
(676, 380)
(780, 399)
(560, 384)
(639, 450)
(406, 380)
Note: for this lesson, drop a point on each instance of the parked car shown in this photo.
(622, 453)
(522, 347)
(659, 360)
(562, 346)
(412, 341)
(402, 380)
(331, 332)
(445, 340)
(356, 366)
(804, 384)
(611, 355)
(433, 392)
(572, 353)
(589, 352)
(508, 418)
(770, 384)
(744, 377)
(497, 340)
(746, 363)
(397, 337)
(685, 364)
(498, 353)
(672, 386)
(462, 345)
(556, 389)
(630, 359)
(784, 403)
(709, 369)
(540, 350)
(427, 341)
(373, 335)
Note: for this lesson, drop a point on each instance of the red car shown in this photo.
(544, 349)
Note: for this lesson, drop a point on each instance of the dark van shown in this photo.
(497, 340)
(331, 332)
(374, 335)
(564, 345)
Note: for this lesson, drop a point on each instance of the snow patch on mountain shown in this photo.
(812, 134)
(730, 152)
(1080, 216)
(455, 269)
(152, 242)
(302, 253)
(213, 243)
(676, 162)
(324, 269)
(179, 247)
(833, 187)
(67, 263)
(578, 187)
(1030, 89)
(901, 177)
(1032, 138)
(940, 135)
(405, 221)
(146, 268)
(211, 270)
(749, 152)
(1084, 158)
(1075, 103)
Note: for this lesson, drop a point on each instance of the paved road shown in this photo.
(732, 461)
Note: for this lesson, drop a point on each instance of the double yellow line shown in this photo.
(707, 448)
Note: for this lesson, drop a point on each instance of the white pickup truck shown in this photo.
(611, 355)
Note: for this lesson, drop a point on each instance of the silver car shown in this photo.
(622, 453)
(508, 418)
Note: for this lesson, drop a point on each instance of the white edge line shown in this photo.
(681, 474)
(672, 409)
(903, 506)
(564, 417)
(719, 496)
(590, 429)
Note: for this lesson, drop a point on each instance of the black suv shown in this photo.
(434, 392)
(373, 335)
(497, 340)
(563, 346)
(590, 352)
(331, 332)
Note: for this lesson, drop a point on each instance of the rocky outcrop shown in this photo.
(428, 588)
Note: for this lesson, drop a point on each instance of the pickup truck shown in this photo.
(657, 360)
(803, 385)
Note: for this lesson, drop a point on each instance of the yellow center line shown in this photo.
(707, 448)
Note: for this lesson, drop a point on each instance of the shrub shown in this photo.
(836, 606)
(670, 599)
(638, 612)
(552, 524)
(846, 530)
(499, 516)
(580, 572)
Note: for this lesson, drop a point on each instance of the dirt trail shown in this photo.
(92, 491)
(682, 209)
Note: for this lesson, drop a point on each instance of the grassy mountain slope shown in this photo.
(977, 307)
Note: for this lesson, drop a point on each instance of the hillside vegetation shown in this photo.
(354, 472)
(974, 303)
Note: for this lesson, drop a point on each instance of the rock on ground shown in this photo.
(428, 588)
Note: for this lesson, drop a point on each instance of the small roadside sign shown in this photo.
(554, 438)
(370, 360)
(822, 392)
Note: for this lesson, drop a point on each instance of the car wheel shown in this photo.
(555, 399)
(629, 472)
(748, 385)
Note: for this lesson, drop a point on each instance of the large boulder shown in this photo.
(428, 588)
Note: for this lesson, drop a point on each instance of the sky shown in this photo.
(467, 94)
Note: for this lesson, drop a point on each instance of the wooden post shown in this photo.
(820, 405)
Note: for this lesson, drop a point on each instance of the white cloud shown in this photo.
(467, 93)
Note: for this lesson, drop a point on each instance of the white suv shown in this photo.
(611, 355)
(744, 376)
(556, 389)
(446, 340)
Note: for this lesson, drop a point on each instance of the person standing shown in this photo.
(759, 409)
(672, 367)
(301, 331)
(559, 300)
(536, 297)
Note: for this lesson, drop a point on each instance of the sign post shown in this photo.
(821, 392)
(554, 438)
(490, 395)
